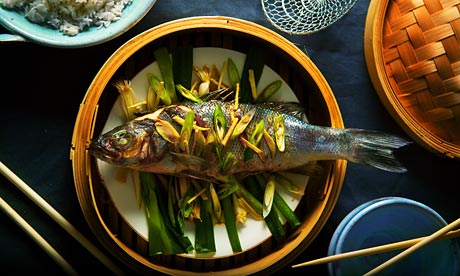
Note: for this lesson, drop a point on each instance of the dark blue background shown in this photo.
(41, 89)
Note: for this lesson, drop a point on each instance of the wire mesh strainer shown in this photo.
(305, 16)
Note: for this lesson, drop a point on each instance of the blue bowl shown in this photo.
(24, 30)
(387, 220)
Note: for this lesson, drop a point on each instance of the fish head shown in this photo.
(127, 145)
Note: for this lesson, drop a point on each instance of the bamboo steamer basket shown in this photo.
(413, 55)
(289, 62)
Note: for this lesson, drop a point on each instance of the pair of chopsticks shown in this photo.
(412, 245)
(56, 216)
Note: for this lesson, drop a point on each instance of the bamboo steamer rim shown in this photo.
(373, 50)
(86, 117)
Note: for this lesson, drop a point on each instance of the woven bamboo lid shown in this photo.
(412, 50)
(282, 56)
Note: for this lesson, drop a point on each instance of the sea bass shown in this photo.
(231, 138)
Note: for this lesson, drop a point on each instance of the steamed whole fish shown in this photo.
(154, 142)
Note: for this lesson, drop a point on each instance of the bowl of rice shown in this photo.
(70, 23)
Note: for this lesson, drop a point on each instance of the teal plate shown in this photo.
(387, 220)
(24, 30)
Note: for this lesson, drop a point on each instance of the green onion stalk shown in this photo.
(164, 237)
(272, 219)
(165, 64)
(230, 223)
(278, 201)
(204, 229)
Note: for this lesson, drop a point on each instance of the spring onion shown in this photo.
(164, 238)
(243, 123)
(158, 86)
(252, 84)
(251, 204)
(128, 97)
(269, 194)
(254, 61)
(254, 139)
(230, 223)
(188, 94)
(279, 132)
(288, 184)
(186, 132)
(269, 91)
(233, 74)
(182, 64)
(204, 229)
(272, 219)
(216, 206)
(278, 201)
(165, 64)
(219, 122)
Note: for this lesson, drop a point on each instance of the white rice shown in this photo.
(69, 16)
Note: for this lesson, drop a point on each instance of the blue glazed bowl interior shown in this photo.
(40, 34)
(389, 220)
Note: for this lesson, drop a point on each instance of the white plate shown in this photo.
(253, 232)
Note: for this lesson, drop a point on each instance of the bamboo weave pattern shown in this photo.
(421, 52)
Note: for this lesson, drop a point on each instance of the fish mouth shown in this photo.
(100, 150)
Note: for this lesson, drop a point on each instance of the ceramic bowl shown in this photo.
(387, 220)
(24, 30)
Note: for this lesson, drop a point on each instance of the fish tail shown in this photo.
(377, 149)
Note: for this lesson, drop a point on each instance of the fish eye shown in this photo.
(121, 139)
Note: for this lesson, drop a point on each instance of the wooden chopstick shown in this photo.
(58, 218)
(37, 238)
(415, 247)
(375, 250)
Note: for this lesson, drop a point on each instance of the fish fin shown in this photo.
(310, 169)
(221, 94)
(291, 108)
(188, 159)
(376, 149)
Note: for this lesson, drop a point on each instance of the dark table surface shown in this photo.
(42, 87)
